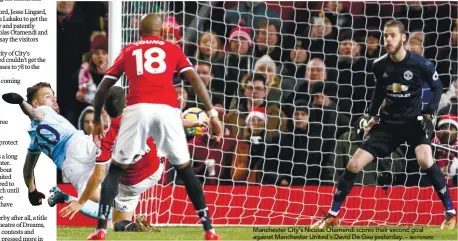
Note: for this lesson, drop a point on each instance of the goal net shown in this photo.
(292, 81)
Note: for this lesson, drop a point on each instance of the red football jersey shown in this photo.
(141, 169)
(149, 65)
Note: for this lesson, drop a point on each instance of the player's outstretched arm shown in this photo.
(35, 197)
(94, 181)
(201, 91)
(99, 101)
(29, 110)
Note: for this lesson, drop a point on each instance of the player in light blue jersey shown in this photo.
(70, 149)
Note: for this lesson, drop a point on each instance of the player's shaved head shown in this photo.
(150, 24)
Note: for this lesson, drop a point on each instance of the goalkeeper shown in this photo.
(400, 77)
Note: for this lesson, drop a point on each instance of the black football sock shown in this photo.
(108, 194)
(344, 186)
(196, 194)
(437, 179)
(125, 226)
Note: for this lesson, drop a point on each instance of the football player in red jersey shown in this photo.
(152, 110)
(143, 174)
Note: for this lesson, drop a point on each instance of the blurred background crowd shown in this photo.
(291, 81)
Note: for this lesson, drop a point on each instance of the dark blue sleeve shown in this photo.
(378, 95)
(432, 78)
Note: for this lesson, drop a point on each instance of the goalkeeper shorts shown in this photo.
(384, 138)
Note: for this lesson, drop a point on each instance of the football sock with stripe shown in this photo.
(108, 194)
(437, 179)
(344, 186)
(196, 194)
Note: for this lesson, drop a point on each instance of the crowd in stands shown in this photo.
(291, 89)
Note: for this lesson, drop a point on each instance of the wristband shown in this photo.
(213, 113)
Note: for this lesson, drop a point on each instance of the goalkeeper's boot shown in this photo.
(212, 235)
(142, 224)
(328, 221)
(450, 221)
(57, 196)
(98, 234)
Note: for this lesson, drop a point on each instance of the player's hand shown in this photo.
(69, 211)
(97, 133)
(217, 128)
(374, 121)
(202, 123)
(13, 98)
(36, 198)
(427, 125)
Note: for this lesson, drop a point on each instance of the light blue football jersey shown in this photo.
(51, 136)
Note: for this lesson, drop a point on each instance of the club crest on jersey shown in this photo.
(98, 152)
(408, 75)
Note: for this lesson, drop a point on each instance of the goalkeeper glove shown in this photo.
(13, 98)
(35, 198)
(427, 125)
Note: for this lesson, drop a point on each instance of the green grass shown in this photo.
(248, 233)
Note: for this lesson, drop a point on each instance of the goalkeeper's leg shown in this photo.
(360, 159)
(437, 178)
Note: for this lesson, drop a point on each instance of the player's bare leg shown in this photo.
(359, 160)
(437, 178)
(108, 193)
(196, 194)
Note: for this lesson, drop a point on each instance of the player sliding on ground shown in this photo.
(144, 174)
(71, 150)
(152, 111)
(400, 77)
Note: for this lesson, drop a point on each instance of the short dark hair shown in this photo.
(396, 23)
(258, 76)
(33, 90)
(115, 101)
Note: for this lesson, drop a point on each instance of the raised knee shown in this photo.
(353, 166)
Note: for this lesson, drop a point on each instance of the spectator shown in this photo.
(373, 47)
(267, 67)
(447, 58)
(315, 72)
(346, 146)
(251, 14)
(253, 94)
(291, 153)
(182, 95)
(210, 50)
(238, 60)
(72, 41)
(320, 41)
(268, 42)
(297, 62)
(250, 154)
(448, 102)
(203, 69)
(171, 30)
(355, 78)
(447, 136)
(92, 71)
(86, 120)
(335, 122)
(338, 15)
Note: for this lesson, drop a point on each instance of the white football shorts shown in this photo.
(162, 122)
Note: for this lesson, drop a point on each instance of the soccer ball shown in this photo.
(195, 114)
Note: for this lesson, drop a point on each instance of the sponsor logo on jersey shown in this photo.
(397, 88)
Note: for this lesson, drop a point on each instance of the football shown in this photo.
(195, 114)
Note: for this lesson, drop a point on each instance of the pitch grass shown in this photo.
(248, 233)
